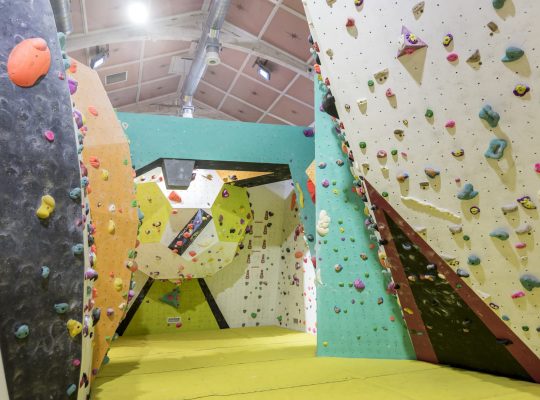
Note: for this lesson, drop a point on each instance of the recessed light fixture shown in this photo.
(138, 12)
(262, 68)
(101, 53)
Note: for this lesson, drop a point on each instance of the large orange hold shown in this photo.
(29, 61)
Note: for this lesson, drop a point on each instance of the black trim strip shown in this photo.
(220, 319)
(133, 309)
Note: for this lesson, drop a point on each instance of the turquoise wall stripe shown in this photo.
(350, 323)
(156, 136)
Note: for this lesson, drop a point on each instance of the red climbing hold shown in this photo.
(173, 196)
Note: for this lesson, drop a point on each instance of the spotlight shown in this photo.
(101, 53)
(138, 12)
(262, 69)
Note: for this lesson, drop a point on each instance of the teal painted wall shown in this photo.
(362, 328)
(156, 136)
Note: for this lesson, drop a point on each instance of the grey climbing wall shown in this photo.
(40, 366)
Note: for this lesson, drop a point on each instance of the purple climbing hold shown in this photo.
(325, 183)
(225, 193)
(309, 132)
(72, 83)
(359, 285)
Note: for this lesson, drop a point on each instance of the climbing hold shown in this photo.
(463, 273)
(452, 57)
(330, 53)
(473, 259)
(22, 331)
(512, 54)
(359, 284)
(520, 245)
(28, 62)
(529, 281)
(350, 23)
(46, 208)
(94, 162)
(527, 202)
(93, 110)
(447, 39)
(467, 192)
(432, 172)
(455, 228)
(521, 90)
(537, 168)
(474, 210)
(61, 308)
(496, 149)
(418, 9)
(337, 310)
(508, 208)
(72, 84)
(49, 136)
(362, 103)
(96, 316)
(118, 284)
(91, 274)
(45, 271)
(225, 193)
(523, 228)
(382, 75)
(402, 177)
(499, 233)
(325, 183)
(75, 193)
(77, 249)
(474, 57)
(409, 42)
(458, 153)
(105, 174)
(338, 267)
(517, 295)
(490, 116)
(450, 124)
(389, 93)
(330, 2)
(309, 132)
(362, 145)
(466, 238)
(111, 227)
(429, 113)
(498, 4)
(381, 154)
(323, 224)
(74, 327)
(322, 165)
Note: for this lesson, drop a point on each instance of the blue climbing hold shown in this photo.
(490, 116)
(467, 193)
(496, 149)
(61, 308)
(498, 4)
(512, 54)
(45, 271)
(529, 281)
(473, 259)
(499, 233)
(75, 193)
(463, 273)
(77, 249)
(22, 331)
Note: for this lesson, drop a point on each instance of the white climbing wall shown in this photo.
(454, 91)
(3, 386)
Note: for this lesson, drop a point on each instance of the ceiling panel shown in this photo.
(123, 97)
(163, 8)
(159, 88)
(290, 33)
(268, 119)
(132, 75)
(208, 95)
(254, 93)
(240, 110)
(302, 89)
(101, 14)
(293, 111)
(120, 53)
(250, 15)
(233, 58)
(155, 48)
(280, 76)
(296, 5)
(219, 76)
(156, 68)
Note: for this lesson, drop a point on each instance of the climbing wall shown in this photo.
(421, 131)
(357, 312)
(154, 316)
(113, 217)
(41, 290)
(296, 297)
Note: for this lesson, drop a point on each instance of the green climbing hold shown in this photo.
(366, 274)
(384, 194)
(429, 113)
(466, 238)
(253, 315)
(394, 152)
(362, 145)
(525, 328)
(279, 318)
(370, 83)
(134, 203)
(345, 258)
(125, 162)
(171, 298)
(340, 221)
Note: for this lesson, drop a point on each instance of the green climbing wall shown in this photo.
(153, 314)
(351, 322)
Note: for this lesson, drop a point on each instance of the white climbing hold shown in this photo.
(323, 224)
(457, 228)
(442, 211)
(524, 228)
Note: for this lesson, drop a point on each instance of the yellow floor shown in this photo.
(274, 363)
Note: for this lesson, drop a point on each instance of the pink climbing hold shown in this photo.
(359, 285)
(452, 57)
(76, 362)
(520, 245)
(49, 135)
(537, 167)
(450, 124)
(389, 93)
(350, 23)
(517, 295)
(381, 154)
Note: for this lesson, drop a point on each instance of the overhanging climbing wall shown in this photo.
(113, 215)
(417, 121)
(41, 289)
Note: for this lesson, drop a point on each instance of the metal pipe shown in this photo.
(209, 42)
(62, 15)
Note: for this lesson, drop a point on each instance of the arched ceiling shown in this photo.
(276, 30)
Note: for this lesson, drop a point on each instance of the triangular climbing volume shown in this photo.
(448, 322)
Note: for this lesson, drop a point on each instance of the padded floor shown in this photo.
(273, 363)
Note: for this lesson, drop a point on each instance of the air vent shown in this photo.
(116, 78)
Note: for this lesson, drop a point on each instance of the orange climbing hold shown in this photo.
(298, 254)
(94, 162)
(173, 196)
(29, 61)
(93, 110)
(311, 189)
(73, 66)
(293, 201)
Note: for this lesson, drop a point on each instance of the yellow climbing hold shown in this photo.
(118, 284)
(366, 211)
(300, 195)
(46, 208)
(111, 227)
(408, 310)
(105, 174)
(73, 327)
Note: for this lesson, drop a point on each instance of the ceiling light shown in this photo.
(101, 53)
(262, 69)
(138, 12)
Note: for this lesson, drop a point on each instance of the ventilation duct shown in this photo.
(207, 53)
(62, 15)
